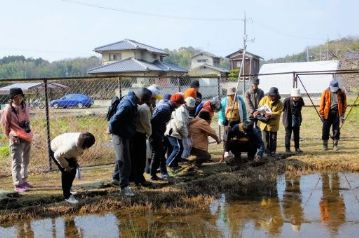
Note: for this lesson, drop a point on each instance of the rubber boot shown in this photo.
(335, 146)
(325, 145)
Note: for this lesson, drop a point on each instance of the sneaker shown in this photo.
(73, 193)
(298, 150)
(27, 185)
(165, 176)
(287, 150)
(335, 148)
(115, 182)
(257, 159)
(127, 191)
(228, 155)
(155, 178)
(20, 189)
(72, 200)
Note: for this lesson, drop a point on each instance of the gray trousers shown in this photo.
(123, 160)
(20, 154)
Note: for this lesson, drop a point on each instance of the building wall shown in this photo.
(113, 56)
(200, 60)
(251, 65)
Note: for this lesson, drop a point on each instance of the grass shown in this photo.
(193, 190)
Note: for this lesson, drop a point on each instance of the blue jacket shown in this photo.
(222, 113)
(160, 117)
(123, 122)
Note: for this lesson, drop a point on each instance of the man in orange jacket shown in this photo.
(333, 104)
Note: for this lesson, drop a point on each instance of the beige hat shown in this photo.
(190, 102)
(231, 91)
(295, 92)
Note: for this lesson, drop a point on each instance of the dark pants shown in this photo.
(176, 149)
(67, 177)
(159, 147)
(201, 155)
(138, 157)
(123, 160)
(288, 134)
(270, 142)
(333, 120)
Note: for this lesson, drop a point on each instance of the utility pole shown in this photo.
(241, 69)
(307, 54)
(327, 48)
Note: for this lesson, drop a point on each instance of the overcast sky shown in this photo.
(58, 29)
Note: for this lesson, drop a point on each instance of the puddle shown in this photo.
(320, 205)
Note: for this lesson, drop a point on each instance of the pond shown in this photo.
(320, 205)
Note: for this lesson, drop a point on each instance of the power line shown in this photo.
(176, 17)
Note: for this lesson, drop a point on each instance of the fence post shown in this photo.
(295, 83)
(48, 125)
(119, 85)
(219, 97)
(178, 84)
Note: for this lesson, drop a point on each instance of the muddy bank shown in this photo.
(192, 190)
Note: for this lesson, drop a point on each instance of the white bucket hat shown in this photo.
(295, 92)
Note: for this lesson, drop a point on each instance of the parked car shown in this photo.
(72, 100)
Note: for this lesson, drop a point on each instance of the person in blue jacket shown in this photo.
(122, 126)
(233, 111)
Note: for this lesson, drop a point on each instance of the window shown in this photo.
(201, 61)
(114, 57)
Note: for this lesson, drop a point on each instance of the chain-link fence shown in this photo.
(80, 104)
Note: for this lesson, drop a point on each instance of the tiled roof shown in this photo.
(132, 65)
(128, 44)
(240, 52)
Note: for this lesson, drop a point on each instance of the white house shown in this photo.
(315, 84)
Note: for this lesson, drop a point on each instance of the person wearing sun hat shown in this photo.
(292, 118)
(333, 104)
(16, 123)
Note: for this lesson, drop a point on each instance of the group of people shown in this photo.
(174, 127)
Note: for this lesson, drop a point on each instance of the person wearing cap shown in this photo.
(177, 130)
(160, 117)
(16, 123)
(233, 111)
(192, 90)
(156, 94)
(213, 105)
(270, 125)
(333, 104)
(292, 118)
(200, 129)
(253, 97)
(138, 145)
(122, 126)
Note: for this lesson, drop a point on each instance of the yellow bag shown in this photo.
(232, 112)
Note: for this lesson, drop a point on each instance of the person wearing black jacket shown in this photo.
(292, 119)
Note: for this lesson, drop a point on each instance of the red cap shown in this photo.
(177, 98)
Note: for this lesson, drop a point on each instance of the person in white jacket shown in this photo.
(65, 150)
(177, 129)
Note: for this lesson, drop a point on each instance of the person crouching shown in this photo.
(65, 149)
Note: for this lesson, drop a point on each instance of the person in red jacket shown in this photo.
(333, 105)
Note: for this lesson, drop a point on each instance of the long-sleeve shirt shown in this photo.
(66, 146)
(143, 124)
(252, 99)
(200, 130)
(178, 125)
(11, 117)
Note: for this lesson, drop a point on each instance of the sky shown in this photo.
(62, 29)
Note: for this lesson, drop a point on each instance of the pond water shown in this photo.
(320, 205)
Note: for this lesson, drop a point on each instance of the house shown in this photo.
(251, 62)
(205, 63)
(315, 84)
(129, 57)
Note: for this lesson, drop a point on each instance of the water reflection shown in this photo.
(320, 205)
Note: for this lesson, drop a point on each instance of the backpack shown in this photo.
(232, 111)
(113, 107)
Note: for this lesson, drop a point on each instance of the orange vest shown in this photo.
(325, 103)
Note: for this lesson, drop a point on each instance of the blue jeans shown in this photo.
(260, 143)
(123, 160)
(175, 155)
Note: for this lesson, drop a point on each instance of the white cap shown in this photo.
(295, 92)
(156, 90)
(190, 102)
